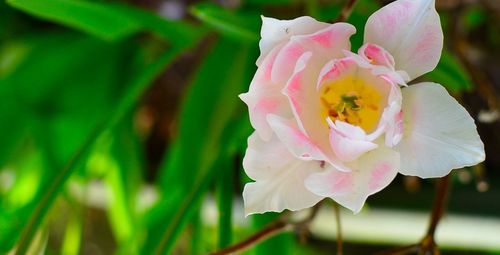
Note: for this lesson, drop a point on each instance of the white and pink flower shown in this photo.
(332, 123)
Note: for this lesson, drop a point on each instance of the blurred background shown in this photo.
(121, 131)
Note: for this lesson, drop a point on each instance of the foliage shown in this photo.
(75, 76)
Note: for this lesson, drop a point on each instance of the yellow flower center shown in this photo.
(352, 100)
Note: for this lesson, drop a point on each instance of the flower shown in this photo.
(332, 123)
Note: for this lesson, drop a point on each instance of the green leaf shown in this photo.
(37, 93)
(451, 74)
(107, 21)
(133, 91)
(73, 236)
(362, 10)
(93, 18)
(124, 181)
(203, 128)
(225, 188)
(243, 26)
(274, 2)
(473, 17)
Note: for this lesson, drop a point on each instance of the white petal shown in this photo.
(294, 139)
(265, 97)
(439, 134)
(279, 178)
(371, 173)
(349, 142)
(276, 31)
(411, 31)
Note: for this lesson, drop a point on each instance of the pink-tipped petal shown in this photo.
(265, 97)
(349, 148)
(276, 31)
(279, 178)
(392, 118)
(304, 101)
(381, 66)
(377, 55)
(294, 139)
(439, 134)
(326, 44)
(371, 173)
(411, 31)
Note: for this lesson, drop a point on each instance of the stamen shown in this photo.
(353, 101)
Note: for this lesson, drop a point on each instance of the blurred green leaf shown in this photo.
(206, 112)
(225, 188)
(451, 74)
(73, 234)
(237, 25)
(137, 84)
(124, 181)
(97, 19)
(104, 20)
(362, 10)
(328, 13)
(197, 233)
(274, 2)
(473, 17)
(35, 94)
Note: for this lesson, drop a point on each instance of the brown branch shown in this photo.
(282, 224)
(339, 228)
(428, 245)
(440, 202)
(400, 250)
(346, 11)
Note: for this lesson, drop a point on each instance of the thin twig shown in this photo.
(339, 228)
(272, 229)
(400, 250)
(346, 11)
(282, 224)
(439, 204)
(428, 245)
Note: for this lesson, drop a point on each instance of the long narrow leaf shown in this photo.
(135, 89)
(241, 26)
(208, 107)
(225, 187)
(107, 21)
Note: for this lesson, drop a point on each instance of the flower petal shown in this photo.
(439, 135)
(411, 32)
(377, 55)
(276, 31)
(293, 138)
(265, 97)
(327, 44)
(304, 99)
(346, 147)
(299, 144)
(279, 178)
(371, 173)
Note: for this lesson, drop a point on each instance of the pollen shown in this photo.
(352, 100)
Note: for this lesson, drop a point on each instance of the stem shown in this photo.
(346, 11)
(428, 245)
(339, 228)
(280, 225)
(439, 204)
(400, 250)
